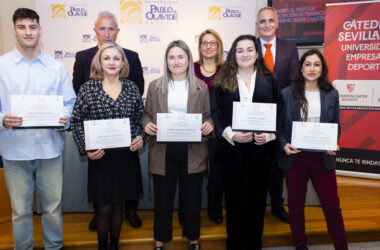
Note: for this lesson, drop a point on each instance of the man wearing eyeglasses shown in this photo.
(106, 30)
(281, 58)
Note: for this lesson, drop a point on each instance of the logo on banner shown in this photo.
(224, 13)
(131, 12)
(196, 39)
(88, 38)
(65, 11)
(162, 11)
(150, 70)
(148, 39)
(226, 53)
(350, 87)
(232, 13)
(58, 11)
(214, 13)
(60, 54)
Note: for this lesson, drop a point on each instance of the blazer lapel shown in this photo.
(324, 105)
(192, 100)
(162, 102)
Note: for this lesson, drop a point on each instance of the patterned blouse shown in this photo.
(94, 104)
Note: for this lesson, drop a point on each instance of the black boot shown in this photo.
(114, 243)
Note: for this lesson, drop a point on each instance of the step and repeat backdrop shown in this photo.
(146, 27)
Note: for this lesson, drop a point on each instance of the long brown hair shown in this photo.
(300, 102)
(226, 78)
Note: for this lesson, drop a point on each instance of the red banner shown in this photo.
(352, 52)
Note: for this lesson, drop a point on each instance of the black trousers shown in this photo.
(246, 190)
(276, 185)
(215, 181)
(190, 187)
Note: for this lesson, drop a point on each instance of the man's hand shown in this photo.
(12, 121)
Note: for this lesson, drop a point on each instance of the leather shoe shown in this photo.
(302, 247)
(216, 218)
(195, 247)
(92, 225)
(133, 219)
(281, 214)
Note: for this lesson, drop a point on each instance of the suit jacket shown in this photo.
(329, 114)
(286, 61)
(266, 91)
(82, 65)
(157, 102)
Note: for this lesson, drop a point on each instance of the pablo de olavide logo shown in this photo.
(147, 70)
(58, 11)
(161, 11)
(62, 54)
(88, 38)
(224, 13)
(214, 12)
(145, 38)
(232, 13)
(131, 12)
(68, 10)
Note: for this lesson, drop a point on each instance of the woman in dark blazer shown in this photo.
(178, 91)
(245, 156)
(311, 98)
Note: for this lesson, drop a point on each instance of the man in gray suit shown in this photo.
(282, 59)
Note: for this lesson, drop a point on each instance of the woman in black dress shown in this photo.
(113, 175)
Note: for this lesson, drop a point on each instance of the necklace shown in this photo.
(208, 71)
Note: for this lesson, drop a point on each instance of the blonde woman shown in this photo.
(178, 91)
(113, 175)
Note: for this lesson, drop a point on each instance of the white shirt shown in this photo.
(314, 106)
(177, 96)
(246, 95)
(272, 49)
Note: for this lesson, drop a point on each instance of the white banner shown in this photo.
(146, 27)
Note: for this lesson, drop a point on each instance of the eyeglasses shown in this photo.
(211, 43)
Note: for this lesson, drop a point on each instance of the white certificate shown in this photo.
(254, 116)
(176, 127)
(38, 110)
(315, 136)
(103, 134)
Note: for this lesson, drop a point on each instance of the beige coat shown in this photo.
(157, 102)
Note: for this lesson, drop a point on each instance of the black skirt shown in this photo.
(114, 178)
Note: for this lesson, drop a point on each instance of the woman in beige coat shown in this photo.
(178, 91)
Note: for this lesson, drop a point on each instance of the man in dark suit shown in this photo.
(281, 58)
(106, 30)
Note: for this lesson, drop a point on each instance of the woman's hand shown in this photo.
(63, 120)
(243, 137)
(260, 138)
(332, 153)
(151, 129)
(136, 144)
(95, 155)
(206, 128)
(290, 150)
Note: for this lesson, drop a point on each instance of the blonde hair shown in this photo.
(190, 76)
(219, 58)
(96, 70)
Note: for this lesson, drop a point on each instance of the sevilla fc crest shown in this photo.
(350, 87)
